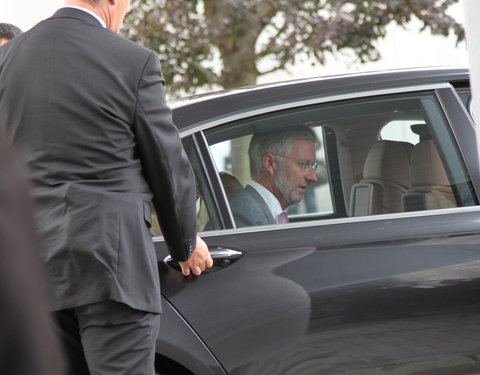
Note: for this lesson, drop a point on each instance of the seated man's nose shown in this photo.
(311, 175)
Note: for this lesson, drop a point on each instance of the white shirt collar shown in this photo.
(270, 199)
(99, 19)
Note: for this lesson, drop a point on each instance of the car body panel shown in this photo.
(393, 293)
(194, 111)
(420, 273)
(180, 343)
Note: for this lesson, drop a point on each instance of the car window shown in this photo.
(207, 214)
(235, 173)
(401, 130)
(375, 155)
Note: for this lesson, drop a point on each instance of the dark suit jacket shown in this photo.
(249, 208)
(87, 109)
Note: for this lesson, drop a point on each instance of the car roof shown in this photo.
(198, 109)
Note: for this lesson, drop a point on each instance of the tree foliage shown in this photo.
(205, 43)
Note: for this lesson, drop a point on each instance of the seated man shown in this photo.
(282, 165)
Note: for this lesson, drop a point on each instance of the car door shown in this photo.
(341, 288)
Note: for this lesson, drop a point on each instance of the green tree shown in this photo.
(208, 43)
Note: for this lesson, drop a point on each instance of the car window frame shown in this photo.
(217, 194)
(452, 108)
(464, 132)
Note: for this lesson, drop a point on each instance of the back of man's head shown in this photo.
(278, 142)
(8, 32)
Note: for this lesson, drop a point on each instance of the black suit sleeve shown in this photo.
(165, 163)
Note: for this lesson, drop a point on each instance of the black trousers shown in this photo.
(108, 338)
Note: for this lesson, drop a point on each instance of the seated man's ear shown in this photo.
(269, 163)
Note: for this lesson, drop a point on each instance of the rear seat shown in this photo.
(430, 185)
(386, 177)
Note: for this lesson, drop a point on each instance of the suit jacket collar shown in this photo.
(76, 14)
(261, 202)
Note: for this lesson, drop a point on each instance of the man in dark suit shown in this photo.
(282, 165)
(87, 110)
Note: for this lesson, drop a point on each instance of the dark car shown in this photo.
(378, 270)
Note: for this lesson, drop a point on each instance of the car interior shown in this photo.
(383, 154)
(379, 155)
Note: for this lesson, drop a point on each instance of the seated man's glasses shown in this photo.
(304, 164)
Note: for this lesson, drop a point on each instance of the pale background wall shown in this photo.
(401, 48)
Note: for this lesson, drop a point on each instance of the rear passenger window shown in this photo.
(207, 213)
(400, 130)
(376, 155)
(232, 160)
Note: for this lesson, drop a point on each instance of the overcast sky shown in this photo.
(401, 48)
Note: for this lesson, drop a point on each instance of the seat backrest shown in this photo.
(430, 188)
(230, 183)
(386, 177)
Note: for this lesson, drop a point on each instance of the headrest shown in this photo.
(427, 167)
(422, 131)
(389, 160)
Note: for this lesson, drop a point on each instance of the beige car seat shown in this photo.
(386, 178)
(430, 185)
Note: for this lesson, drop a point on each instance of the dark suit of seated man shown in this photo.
(282, 165)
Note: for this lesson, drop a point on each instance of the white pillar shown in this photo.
(472, 34)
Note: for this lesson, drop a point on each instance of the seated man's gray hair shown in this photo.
(278, 142)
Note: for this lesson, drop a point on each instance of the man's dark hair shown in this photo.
(9, 31)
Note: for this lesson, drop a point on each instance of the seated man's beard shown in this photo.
(288, 189)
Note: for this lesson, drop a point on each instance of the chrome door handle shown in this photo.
(227, 254)
(221, 258)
